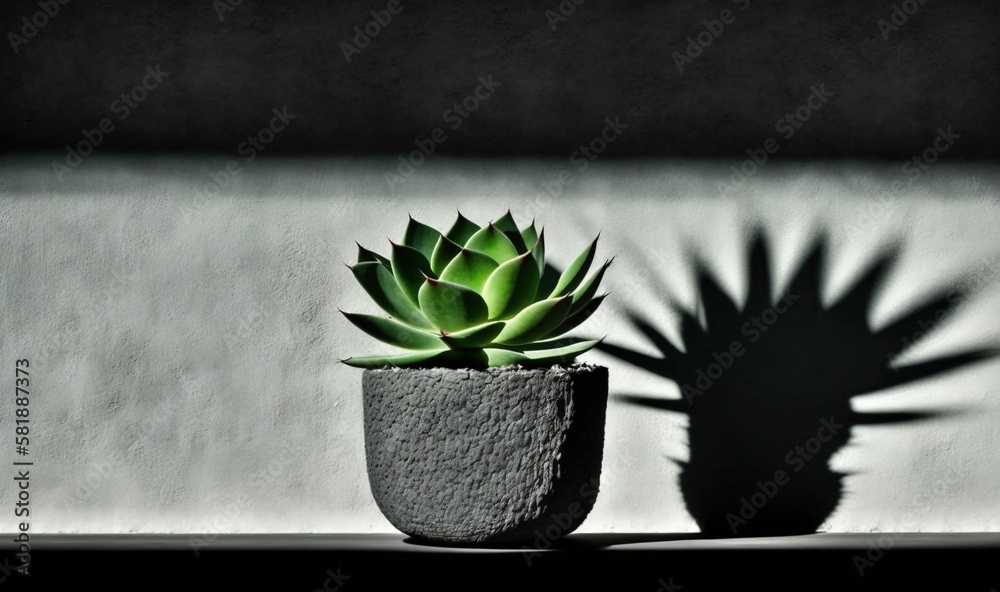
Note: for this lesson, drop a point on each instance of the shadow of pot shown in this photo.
(502, 455)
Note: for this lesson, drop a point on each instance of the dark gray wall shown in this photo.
(557, 86)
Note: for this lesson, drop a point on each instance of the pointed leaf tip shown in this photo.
(421, 237)
(508, 226)
(511, 287)
(470, 268)
(380, 284)
(410, 268)
(575, 272)
(492, 241)
(394, 332)
(462, 229)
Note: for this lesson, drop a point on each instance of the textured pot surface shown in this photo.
(476, 456)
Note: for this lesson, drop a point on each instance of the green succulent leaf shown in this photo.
(421, 237)
(462, 230)
(547, 283)
(380, 284)
(538, 252)
(532, 323)
(469, 268)
(364, 255)
(538, 357)
(444, 251)
(442, 358)
(577, 270)
(476, 337)
(508, 227)
(451, 306)
(544, 345)
(574, 320)
(511, 287)
(409, 267)
(394, 332)
(529, 234)
(586, 291)
(493, 242)
(475, 297)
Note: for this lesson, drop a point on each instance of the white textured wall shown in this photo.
(183, 350)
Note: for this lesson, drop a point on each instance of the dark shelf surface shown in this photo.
(586, 561)
(385, 542)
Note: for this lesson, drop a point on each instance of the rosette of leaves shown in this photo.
(475, 296)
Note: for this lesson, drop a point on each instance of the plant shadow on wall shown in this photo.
(767, 390)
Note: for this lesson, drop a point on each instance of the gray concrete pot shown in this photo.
(485, 456)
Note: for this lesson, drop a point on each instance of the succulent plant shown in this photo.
(475, 297)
